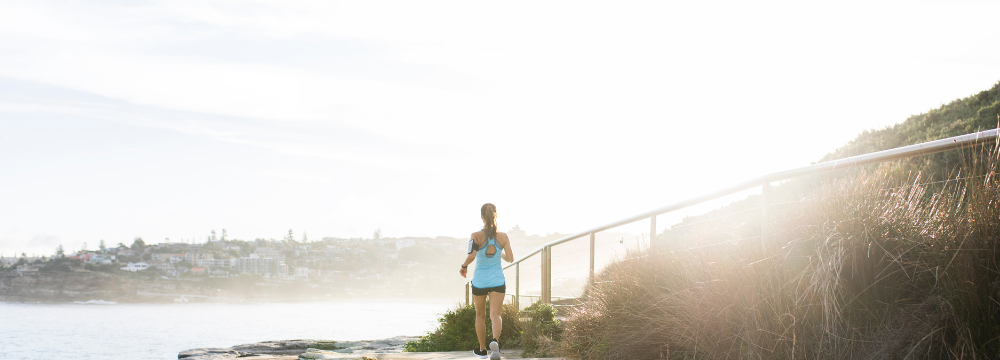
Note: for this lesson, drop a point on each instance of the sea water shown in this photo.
(99, 330)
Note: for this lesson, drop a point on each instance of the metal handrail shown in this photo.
(926, 148)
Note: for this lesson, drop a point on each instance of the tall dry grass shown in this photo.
(871, 264)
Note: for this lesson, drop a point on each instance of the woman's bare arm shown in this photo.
(470, 257)
(465, 264)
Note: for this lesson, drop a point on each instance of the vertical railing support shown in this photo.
(765, 195)
(466, 294)
(591, 259)
(546, 275)
(652, 233)
(517, 286)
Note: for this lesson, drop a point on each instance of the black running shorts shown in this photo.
(480, 292)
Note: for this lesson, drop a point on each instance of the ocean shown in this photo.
(97, 330)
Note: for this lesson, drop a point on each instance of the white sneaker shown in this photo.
(494, 350)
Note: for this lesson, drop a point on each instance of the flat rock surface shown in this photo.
(302, 349)
(313, 354)
(284, 348)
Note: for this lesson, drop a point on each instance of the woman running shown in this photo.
(488, 279)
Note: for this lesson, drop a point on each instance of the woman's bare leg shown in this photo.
(480, 301)
(496, 307)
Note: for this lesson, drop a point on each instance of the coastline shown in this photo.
(68, 287)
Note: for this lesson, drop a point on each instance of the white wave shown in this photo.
(96, 302)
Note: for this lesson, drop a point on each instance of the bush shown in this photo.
(869, 266)
(106, 268)
(457, 331)
(540, 330)
(59, 265)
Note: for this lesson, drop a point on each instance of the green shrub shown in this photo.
(457, 331)
(539, 330)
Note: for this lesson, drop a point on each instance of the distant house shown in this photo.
(198, 270)
(255, 264)
(95, 258)
(214, 263)
(405, 243)
(193, 257)
(161, 257)
(301, 271)
(125, 252)
(133, 267)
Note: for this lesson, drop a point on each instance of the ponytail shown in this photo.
(489, 213)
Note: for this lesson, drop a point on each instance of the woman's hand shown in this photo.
(463, 271)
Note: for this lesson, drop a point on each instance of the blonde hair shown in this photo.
(489, 213)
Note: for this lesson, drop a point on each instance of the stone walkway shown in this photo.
(385, 349)
(330, 355)
(451, 355)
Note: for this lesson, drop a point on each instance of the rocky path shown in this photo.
(385, 349)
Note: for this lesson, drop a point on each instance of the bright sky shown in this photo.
(168, 119)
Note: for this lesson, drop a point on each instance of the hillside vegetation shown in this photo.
(893, 261)
(963, 116)
(974, 113)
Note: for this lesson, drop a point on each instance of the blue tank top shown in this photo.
(488, 273)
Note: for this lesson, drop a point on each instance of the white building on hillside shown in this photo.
(133, 267)
(405, 243)
(215, 263)
(301, 271)
(255, 264)
(100, 259)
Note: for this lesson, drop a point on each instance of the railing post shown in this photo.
(546, 275)
(517, 286)
(765, 194)
(591, 259)
(652, 233)
(466, 294)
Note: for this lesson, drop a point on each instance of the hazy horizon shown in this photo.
(171, 119)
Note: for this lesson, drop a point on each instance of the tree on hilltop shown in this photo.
(138, 245)
(60, 251)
